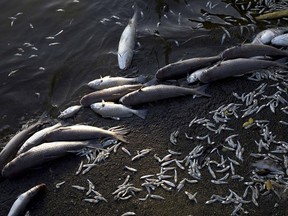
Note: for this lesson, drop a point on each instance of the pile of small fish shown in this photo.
(25, 151)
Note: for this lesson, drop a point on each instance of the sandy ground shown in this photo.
(163, 118)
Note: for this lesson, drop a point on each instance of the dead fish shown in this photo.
(182, 68)
(108, 82)
(37, 138)
(116, 111)
(43, 153)
(127, 42)
(109, 94)
(265, 37)
(85, 132)
(193, 77)
(235, 67)
(10, 149)
(160, 92)
(281, 40)
(23, 200)
(252, 50)
(70, 111)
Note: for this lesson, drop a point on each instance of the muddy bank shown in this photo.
(164, 117)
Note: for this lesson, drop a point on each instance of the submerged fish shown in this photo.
(252, 50)
(23, 200)
(108, 82)
(10, 149)
(159, 92)
(127, 43)
(84, 132)
(182, 68)
(70, 111)
(116, 111)
(265, 37)
(37, 138)
(43, 153)
(281, 40)
(235, 67)
(109, 94)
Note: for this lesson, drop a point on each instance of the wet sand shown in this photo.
(163, 118)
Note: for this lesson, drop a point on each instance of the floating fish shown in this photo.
(127, 43)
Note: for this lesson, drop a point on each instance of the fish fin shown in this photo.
(121, 138)
(119, 130)
(103, 103)
(201, 90)
(141, 113)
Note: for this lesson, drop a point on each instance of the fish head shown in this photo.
(124, 59)
(95, 83)
(267, 36)
(97, 106)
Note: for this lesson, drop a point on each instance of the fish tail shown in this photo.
(119, 133)
(141, 113)
(135, 15)
(201, 91)
(119, 130)
(121, 138)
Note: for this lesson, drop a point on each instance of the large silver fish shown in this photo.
(108, 82)
(159, 92)
(10, 149)
(182, 68)
(252, 50)
(127, 43)
(37, 138)
(265, 36)
(235, 67)
(85, 132)
(116, 111)
(109, 94)
(43, 153)
(23, 200)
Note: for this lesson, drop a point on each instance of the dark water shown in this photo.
(41, 74)
(37, 77)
